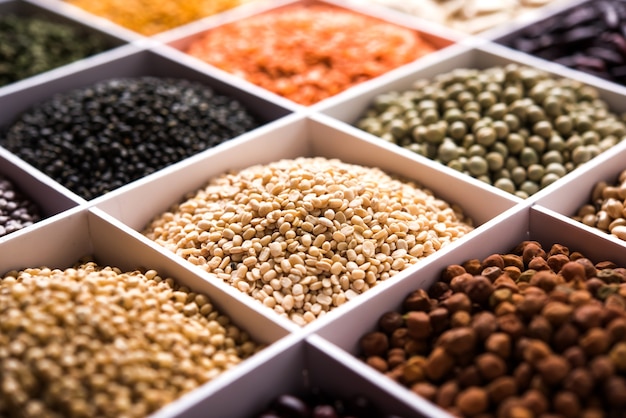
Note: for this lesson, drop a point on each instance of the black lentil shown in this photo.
(96, 139)
(31, 45)
(590, 37)
(17, 211)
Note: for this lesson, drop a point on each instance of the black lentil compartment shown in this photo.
(529, 319)
(103, 127)
(588, 37)
(494, 116)
(35, 40)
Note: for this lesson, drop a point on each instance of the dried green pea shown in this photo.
(529, 187)
(452, 115)
(476, 150)
(457, 165)
(495, 161)
(553, 106)
(501, 129)
(573, 142)
(502, 173)
(582, 123)
(556, 143)
(512, 122)
(436, 132)
(500, 148)
(543, 128)
(563, 124)
(512, 93)
(535, 114)
(397, 128)
(505, 184)
(515, 143)
(552, 156)
(518, 175)
(416, 148)
(511, 163)
(471, 117)
(537, 143)
(581, 155)
(590, 137)
(486, 136)
(457, 129)
(476, 165)
(465, 97)
(497, 111)
(447, 151)
(535, 172)
(528, 156)
(548, 179)
(556, 168)
(429, 116)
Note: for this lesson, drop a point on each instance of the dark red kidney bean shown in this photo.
(589, 37)
(289, 406)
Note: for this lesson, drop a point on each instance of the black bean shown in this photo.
(96, 139)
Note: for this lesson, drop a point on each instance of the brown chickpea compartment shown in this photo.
(535, 331)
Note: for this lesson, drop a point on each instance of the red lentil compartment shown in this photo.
(307, 51)
(527, 320)
(96, 323)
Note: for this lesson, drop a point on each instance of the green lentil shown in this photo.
(31, 45)
(512, 118)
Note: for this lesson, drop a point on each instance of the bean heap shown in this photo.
(606, 208)
(589, 37)
(531, 333)
(94, 341)
(469, 16)
(31, 45)
(149, 17)
(514, 127)
(303, 236)
(17, 211)
(319, 404)
(96, 139)
(309, 53)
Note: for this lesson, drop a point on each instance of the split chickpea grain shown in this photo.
(95, 341)
(303, 236)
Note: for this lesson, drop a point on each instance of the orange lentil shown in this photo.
(307, 53)
(150, 17)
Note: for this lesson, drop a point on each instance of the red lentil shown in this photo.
(308, 53)
(150, 17)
